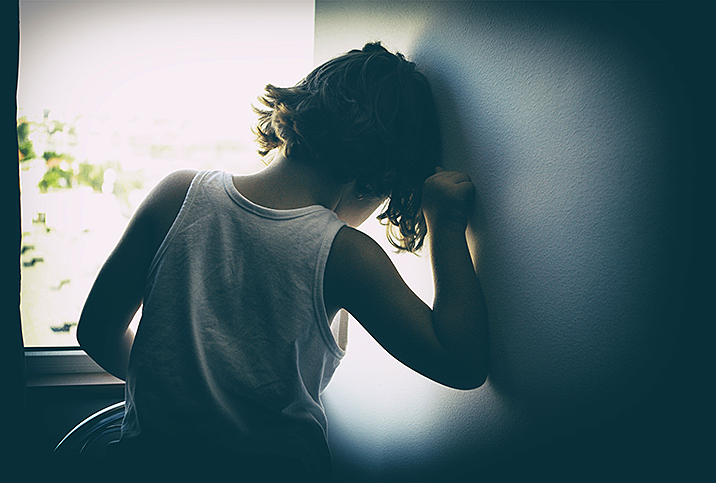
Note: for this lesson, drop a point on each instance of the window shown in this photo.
(113, 96)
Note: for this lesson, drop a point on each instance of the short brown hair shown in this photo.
(366, 116)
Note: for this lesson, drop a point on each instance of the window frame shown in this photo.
(64, 366)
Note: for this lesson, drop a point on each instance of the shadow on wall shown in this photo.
(574, 122)
(575, 142)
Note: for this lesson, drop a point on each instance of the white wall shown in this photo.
(572, 125)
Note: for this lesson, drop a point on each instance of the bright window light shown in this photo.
(112, 97)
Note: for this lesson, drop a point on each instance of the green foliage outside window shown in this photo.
(25, 148)
(63, 172)
(91, 175)
(56, 177)
(59, 174)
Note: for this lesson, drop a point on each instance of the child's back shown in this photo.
(235, 322)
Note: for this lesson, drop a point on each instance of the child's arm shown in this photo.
(448, 343)
(118, 291)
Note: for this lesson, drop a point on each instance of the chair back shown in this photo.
(91, 436)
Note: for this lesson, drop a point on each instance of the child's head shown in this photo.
(367, 116)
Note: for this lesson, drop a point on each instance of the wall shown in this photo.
(579, 125)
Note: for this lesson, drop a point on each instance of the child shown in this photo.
(241, 276)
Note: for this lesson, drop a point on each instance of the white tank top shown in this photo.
(234, 346)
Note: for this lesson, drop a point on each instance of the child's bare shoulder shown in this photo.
(175, 185)
(168, 195)
(159, 209)
(352, 256)
(353, 247)
(356, 263)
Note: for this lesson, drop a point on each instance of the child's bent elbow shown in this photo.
(89, 339)
(85, 341)
(466, 378)
(476, 382)
(472, 382)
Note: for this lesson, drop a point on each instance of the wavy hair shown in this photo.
(366, 116)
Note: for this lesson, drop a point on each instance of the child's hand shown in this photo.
(447, 199)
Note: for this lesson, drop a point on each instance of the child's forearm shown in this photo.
(459, 314)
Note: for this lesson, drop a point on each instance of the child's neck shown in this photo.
(287, 184)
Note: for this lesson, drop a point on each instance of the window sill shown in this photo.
(65, 367)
